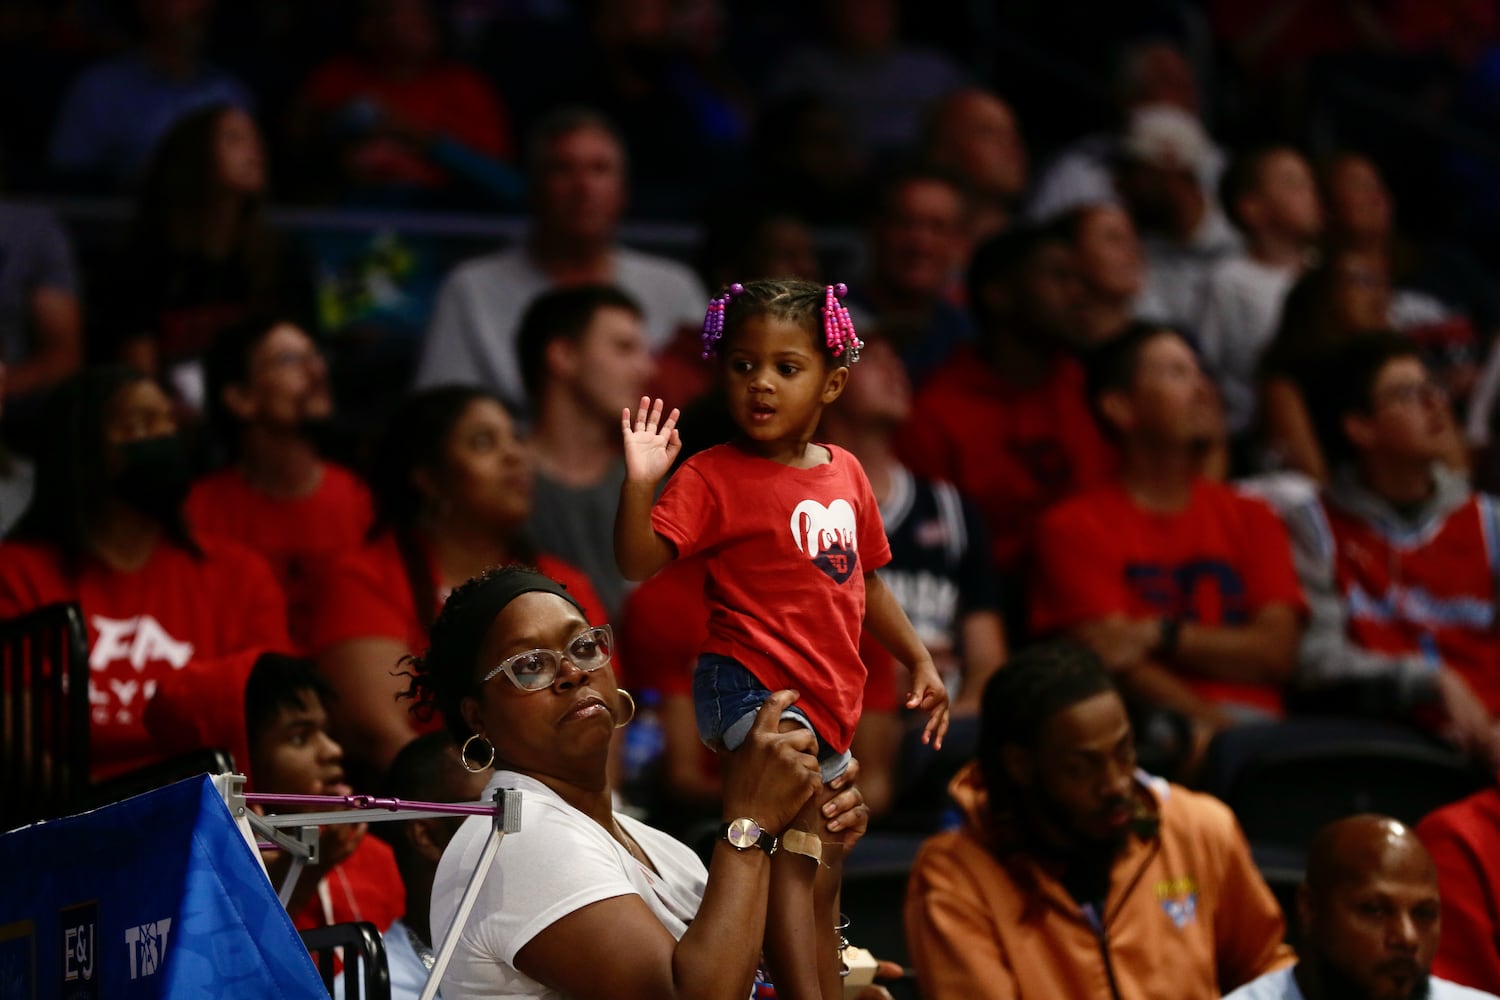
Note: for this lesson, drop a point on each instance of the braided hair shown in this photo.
(817, 309)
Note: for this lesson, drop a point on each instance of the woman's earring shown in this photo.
(630, 698)
(463, 755)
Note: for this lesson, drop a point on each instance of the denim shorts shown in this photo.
(726, 697)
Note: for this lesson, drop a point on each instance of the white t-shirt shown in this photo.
(1282, 985)
(559, 862)
(1242, 309)
(471, 339)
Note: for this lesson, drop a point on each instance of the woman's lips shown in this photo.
(587, 708)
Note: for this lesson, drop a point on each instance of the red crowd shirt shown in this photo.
(364, 886)
(295, 536)
(178, 611)
(367, 594)
(1464, 841)
(785, 552)
(448, 100)
(1219, 561)
(1430, 591)
(1013, 452)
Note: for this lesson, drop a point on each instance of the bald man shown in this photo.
(1370, 918)
(975, 134)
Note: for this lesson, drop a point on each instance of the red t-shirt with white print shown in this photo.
(177, 609)
(786, 550)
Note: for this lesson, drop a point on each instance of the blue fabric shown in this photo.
(156, 896)
(726, 696)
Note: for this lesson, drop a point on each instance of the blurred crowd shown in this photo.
(1181, 342)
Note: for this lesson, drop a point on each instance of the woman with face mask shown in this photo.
(105, 530)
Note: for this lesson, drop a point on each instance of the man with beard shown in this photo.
(269, 398)
(105, 530)
(1075, 874)
(1370, 915)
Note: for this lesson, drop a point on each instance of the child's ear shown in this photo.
(834, 387)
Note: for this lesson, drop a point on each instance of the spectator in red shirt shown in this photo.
(400, 116)
(1464, 841)
(105, 529)
(1398, 555)
(452, 484)
(268, 391)
(1007, 419)
(1182, 586)
(292, 753)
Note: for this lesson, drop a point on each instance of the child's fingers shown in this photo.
(642, 409)
(671, 419)
(936, 728)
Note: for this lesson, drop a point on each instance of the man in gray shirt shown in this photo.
(577, 165)
(583, 359)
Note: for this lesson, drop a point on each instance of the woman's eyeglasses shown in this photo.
(537, 668)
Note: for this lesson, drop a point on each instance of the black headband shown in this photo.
(464, 627)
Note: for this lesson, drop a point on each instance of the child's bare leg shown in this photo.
(801, 943)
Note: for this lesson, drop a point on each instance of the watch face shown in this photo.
(743, 833)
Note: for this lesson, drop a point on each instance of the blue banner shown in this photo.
(156, 896)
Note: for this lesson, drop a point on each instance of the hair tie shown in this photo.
(838, 328)
(713, 320)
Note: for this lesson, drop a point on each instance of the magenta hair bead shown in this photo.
(736, 289)
(841, 289)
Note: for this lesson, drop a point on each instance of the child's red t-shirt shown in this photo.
(786, 551)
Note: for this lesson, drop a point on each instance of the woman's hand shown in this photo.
(773, 774)
(846, 815)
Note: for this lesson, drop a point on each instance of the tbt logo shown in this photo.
(148, 947)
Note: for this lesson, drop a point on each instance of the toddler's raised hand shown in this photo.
(927, 691)
(651, 444)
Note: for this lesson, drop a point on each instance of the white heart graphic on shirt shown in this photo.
(816, 528)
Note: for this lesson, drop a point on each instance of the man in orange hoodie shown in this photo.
(1075, 874)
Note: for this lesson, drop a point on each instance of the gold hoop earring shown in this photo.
(630, 698)
(463, 755)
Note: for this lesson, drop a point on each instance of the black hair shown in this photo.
(416, 772)
(1244, 176)
(72, 471)
(562, 312)
(1113, 364)
(227, 363)
(790, 299)
(1004, 256)
(1342, 381)
(443, 676)
(1310, 325)
(414, 437)
(277, 681)
(1023, 696)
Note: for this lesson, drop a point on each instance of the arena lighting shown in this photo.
(297, 834)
